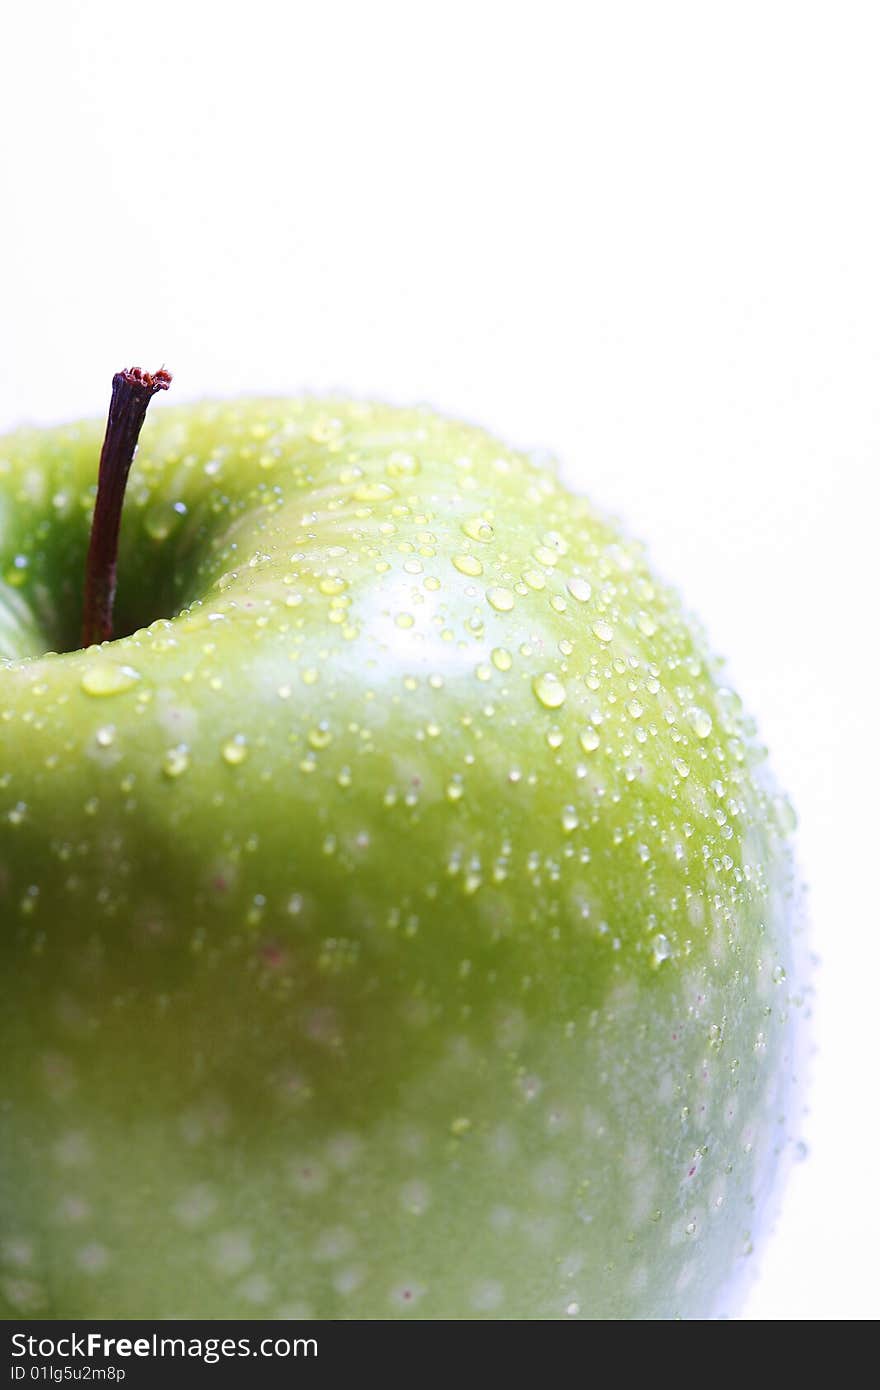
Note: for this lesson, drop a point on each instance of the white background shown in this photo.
(646, 236)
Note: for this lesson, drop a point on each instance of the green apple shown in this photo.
(399, 920)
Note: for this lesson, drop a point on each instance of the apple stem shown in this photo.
(132, 392)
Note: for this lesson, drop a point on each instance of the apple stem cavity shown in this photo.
(132, 392)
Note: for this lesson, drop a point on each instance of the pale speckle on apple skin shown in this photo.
(196, 1206)
(92, 1258)
(347, 1281)
(232, 1252)
(488, 1297)
(508, 1008)
(256, 1290)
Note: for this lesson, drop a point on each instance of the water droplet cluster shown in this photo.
(412, 853)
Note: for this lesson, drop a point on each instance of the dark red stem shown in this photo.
(132, 392)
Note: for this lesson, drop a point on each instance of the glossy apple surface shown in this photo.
(406, 927)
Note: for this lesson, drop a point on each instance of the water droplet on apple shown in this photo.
(106, 678)
(545, 556)
(176, 761)
(549, 690)
(17, 572)
(476, 529)
(501, 599)
(161, 520)
(662, 950)
(700, 721)
(603, 630)
(326, 429)
(372, 492)
(579, 589)
(468, 564)
(473, 880)
(589, 740)
(556, 542)
(235, 750)
(402, 465)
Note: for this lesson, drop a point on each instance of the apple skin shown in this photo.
(407, 927)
